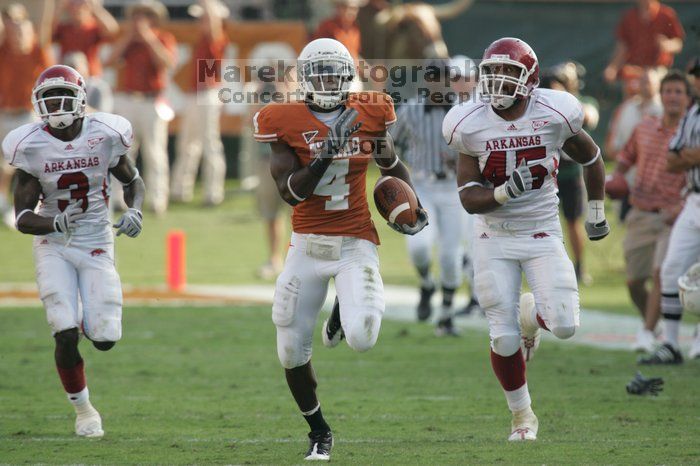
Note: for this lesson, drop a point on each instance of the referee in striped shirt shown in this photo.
(684, 244)
(418, 137)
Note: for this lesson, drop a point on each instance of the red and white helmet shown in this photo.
(71, 107)
(502, 89)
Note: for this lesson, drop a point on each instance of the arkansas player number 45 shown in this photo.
(497, 162)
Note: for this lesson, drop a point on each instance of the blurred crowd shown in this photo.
(143, 55)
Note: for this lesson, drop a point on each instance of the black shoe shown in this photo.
(320, 444)
(664, 354)
(445, 328)
(332, 332)
(425, 309)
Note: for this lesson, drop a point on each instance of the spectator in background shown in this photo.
(648, 35)
(146, 54)
(85, 25)
(24, 54)
(343, 26)
(567, 77)
(627, 116)
(200, 132)
(656, 202)
(99, 92)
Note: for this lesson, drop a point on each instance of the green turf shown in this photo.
(203, 385)
(225, 246)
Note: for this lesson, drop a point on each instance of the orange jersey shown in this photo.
(338, 205)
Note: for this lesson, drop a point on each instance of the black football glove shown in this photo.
(421, 222)
(640, 385)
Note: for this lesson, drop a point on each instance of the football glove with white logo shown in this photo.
(421, 222)
(341, 130)
(67, 220)
(519, 183)
(131, 223)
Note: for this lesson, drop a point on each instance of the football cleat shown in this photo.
(88, 422)
(446, 328)
(425, 308)
(523, 426)
(332, 332)
(530, 331)
(665, 354)
(320, 444)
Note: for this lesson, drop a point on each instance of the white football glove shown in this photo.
(421, 222)
(341, 131)
(520, 181)
(596, 225)
(131, 223)
(67, 220)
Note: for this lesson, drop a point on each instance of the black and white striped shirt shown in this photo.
(418, 138)
(688, 135)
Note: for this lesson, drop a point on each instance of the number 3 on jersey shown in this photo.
(79, 187)
(333, 184)
(495, 168)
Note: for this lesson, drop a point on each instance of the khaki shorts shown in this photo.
(645, 244)
(270, 203)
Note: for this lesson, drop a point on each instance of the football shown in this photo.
(395, 200)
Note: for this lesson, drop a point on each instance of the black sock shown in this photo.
(316, 421)
(448, 295)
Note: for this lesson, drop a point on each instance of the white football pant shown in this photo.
(445, 229)
(301, 290)
(500, 258)
(82, 268)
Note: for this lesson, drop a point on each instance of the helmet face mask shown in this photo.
(59, 96)
(509, 71)
(326, 71)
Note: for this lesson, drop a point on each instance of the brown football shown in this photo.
(395, 200)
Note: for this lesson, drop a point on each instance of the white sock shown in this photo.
(671, 330)
(80, 400)
(518, 399)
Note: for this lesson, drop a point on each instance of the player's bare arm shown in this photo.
(294, 182)
(475, 198)
(584, 150)
(131, 222)
(390, 165)
(26, 195)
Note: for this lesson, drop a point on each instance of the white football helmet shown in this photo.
(70, 107)
(326, 70)
(689, 289)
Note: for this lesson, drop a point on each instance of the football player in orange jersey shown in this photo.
(321, 148)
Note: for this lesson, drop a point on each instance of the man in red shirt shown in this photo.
(25, 53)
(648, 35)
(343, 26)
(84, 28)
(656, 201)
(200, 134)
(146, 53)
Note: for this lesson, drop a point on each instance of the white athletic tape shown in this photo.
(397, 211)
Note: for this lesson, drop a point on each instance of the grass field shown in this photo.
(203, 385)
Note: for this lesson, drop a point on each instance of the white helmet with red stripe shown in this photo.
(70, 107)
(509, 71)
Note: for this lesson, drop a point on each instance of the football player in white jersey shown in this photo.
(509, 143)
(64, 163)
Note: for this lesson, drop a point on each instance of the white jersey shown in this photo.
(72, 171)
(552, 117)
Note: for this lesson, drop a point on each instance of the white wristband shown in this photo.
(291, 191)
(593, 160)
(499, 193)
(136, 175)
(596, 211)
(19, 215)
(469, 185)
(393, 164)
